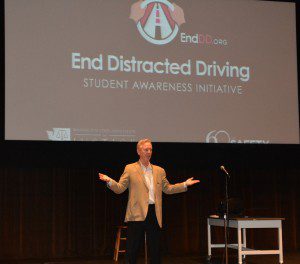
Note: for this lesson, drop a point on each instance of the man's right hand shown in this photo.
(104, 178)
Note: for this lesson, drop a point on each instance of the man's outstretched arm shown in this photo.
(178, 187)
(117, 187)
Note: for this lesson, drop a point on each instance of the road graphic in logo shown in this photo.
(158, 21)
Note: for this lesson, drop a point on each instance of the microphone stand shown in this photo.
(226, 216)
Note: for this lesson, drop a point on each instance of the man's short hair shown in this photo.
(142, 142)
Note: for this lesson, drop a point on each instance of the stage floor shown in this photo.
(290, 258)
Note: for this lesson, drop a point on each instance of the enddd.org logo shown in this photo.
(158, 21)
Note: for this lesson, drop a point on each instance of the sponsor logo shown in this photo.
(223, 136)
(218, 137)
(95, 134)
(158, 21)
(59, 134)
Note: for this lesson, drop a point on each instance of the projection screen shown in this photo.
(210, 71)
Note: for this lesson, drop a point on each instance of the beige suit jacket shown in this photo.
(133, 179)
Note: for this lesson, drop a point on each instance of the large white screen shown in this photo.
(182, 71)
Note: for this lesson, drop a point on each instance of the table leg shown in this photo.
(280, 244)
(208, 238)
(244, 241)
(240, 245)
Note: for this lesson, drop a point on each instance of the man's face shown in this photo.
(145, 151)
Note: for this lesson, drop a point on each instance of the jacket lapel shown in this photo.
(141, 173)
(154, 180)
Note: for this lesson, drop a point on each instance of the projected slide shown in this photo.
(210, 71)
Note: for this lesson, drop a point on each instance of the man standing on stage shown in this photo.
(145, 182)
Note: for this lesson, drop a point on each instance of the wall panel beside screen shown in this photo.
(208, 71)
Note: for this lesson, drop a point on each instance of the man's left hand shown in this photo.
(191, 181)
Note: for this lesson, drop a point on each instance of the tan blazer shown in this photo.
(133, 179)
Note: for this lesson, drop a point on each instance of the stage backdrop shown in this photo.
(186, 71)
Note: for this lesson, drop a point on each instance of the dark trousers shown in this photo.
(135, 236)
